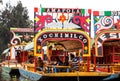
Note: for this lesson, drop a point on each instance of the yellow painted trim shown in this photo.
(70, 74)
(63, 30)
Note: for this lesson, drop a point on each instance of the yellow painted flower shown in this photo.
(86, 48)
(39, 47)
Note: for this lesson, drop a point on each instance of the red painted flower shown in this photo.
(62, 18)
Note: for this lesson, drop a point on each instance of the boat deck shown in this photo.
(77, 74)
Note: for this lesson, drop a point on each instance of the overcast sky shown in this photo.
(99, 5)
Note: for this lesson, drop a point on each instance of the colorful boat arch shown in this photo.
(60, 34)
(104, 36)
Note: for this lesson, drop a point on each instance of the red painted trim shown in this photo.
(96, 13)
(35, 61)
(35, 9)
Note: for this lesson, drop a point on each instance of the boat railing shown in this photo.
(57, 68)
(112, 68)
(116, 68)
(10, 63)
(28, 66)
(105, 67)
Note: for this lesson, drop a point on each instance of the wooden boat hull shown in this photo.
(6, 69)
(64, 76)
(81, 78)
(75, 76)
(30, 75)
(71, 78)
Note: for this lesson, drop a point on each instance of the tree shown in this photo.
(1, 1)
(12, 16)
(19, 16)
(4, 37)
(16, 16)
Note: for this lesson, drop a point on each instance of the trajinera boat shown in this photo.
(12, 57)
(10, 63)
(66, 49)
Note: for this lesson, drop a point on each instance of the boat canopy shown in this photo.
(29, 46)
(6, 51)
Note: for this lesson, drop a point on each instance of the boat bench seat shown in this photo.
(28, 66)
(9, 62)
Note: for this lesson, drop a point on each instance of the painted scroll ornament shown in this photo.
(41, 22)
(104, 23)
(82, 21)
(15, 40)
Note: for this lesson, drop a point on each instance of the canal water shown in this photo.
(7, 77)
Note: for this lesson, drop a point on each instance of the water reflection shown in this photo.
(6, 77)
(23, 79)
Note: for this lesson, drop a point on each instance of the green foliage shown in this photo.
(19, 16)
(16, 16)
(1, 2)
(4, 38)
(12, 16)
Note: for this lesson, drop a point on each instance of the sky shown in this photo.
(99, 5)
(95, 5)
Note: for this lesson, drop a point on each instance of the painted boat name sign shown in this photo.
(61, 10)
(115, 13)
(66, 16)
(83, 38)
(63, 35)
(103, 37)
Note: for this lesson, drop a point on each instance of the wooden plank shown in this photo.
(28, 64)
(63, 74)
(117, 53)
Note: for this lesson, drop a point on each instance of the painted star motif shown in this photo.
(36, 19)
(26, 37)
(88, 20)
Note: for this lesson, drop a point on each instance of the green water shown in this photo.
(7, 77)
